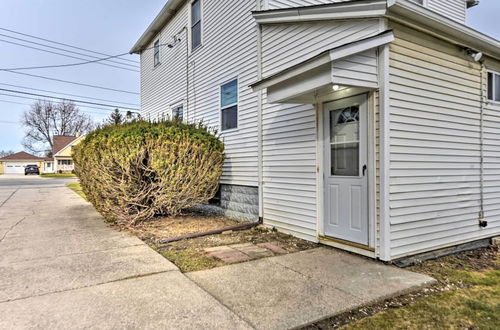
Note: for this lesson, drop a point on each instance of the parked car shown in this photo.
(31, 169)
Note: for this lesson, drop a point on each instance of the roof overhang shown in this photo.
(166, 14)
(326, 57)
(402, 11)
(303, 82)
(339, 10)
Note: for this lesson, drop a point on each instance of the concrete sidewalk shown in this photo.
(298, 289)
(62, 268)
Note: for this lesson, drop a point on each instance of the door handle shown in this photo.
(364, 169)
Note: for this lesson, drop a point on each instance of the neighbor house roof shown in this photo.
(61, 141)
(21, 156)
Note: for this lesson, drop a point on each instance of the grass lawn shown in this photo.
(75, 186)
(467, 296)
(58, 175)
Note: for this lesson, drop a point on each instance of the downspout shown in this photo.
(482, 222)
(187, 73)
(259, 122)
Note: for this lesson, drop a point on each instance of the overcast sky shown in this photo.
(106, 26)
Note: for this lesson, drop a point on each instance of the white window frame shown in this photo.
(155, 64)
(424, 3)
(175, 106)
(221, 108)
(190, 36)
(487, 86)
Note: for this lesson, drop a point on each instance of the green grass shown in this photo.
(191, 260)
(58, 175)
(472, 302)
(75, 186)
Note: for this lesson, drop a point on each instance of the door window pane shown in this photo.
(344, 141)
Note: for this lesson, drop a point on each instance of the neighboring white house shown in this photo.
(373, 125)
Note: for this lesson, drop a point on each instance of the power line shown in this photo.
(70, 56)
(107, 58)
(72, 100)
(72, 82)
(75, 95)
(63, 44)
(28, 104)
(38, 99)
(8, 122)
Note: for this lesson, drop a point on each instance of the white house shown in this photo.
(370, 125)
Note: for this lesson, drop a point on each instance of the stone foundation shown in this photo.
(236, 202)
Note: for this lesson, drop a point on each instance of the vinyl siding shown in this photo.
(435, 146)
(277, 4)
(355, 70)
(228, 52)
(285, 45)
(454, 9)
(290, 130)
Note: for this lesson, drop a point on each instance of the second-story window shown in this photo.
(229, 105)
(195, 24)
(156, 52)
(494, 86)
(420, 2)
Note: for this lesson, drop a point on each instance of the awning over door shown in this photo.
(353, 65)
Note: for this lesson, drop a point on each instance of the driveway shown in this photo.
(61, 267)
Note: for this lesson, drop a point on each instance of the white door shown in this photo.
(15, 167)
(346, 174)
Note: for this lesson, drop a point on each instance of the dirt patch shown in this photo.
(190, 255)
(462, 271)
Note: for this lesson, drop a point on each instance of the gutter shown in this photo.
(168, 11)
(401, 11)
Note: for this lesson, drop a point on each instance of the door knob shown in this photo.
(364, 169)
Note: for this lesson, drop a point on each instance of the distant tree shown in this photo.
(4, 153)
(115, 118)
(46, 119)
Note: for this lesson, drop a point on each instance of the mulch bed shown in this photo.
(190, 255)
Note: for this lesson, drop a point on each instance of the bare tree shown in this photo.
(46, 119)
(4, 153)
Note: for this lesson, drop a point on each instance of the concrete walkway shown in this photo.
(298, 289)
(62, 268)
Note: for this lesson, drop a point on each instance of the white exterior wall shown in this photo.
(277, 4)
(355, 70)
(454, 9)
(435, 147)
(290, 130)
(229, 51)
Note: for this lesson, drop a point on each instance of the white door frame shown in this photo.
(372, 215)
